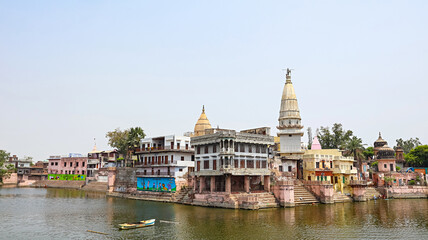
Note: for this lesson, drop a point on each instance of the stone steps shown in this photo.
(370, 193)
(340, 197)
(303, 196)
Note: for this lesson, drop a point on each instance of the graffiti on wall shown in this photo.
(67, 177)
(156, 184)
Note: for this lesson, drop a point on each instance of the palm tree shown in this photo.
(355, 147)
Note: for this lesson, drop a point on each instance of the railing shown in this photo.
(308, 182)
(357, 182)
(166, 148)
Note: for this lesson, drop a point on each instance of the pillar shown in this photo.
(201, 184)
(228, 184)
(111, 178)
(267, 183)
(212, 184)
(247, 184)
(358, 193)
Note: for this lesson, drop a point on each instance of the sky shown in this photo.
(70, 71)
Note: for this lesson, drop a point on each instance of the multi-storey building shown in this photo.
(229, 161)
(290, 131)
(98, 162)
(329, 165)
(71, 164)
(163, 163)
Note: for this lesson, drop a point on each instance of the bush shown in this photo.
(411, 182)
(398, 168)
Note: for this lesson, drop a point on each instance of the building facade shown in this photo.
(329, 165)
(71, 164)
(164, 160)
(229, 161)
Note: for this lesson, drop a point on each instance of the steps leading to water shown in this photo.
(303, 196)
(371, 192)
(339, 197)
(96, 186)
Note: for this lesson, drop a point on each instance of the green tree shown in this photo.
(125, 141)
(418, 157)
(5, 168)
(355, 148)
(407, 145)
(368, 153)
(337, 138)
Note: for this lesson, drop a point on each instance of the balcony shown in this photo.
(342, 171)
(165, 148)
(155, 174)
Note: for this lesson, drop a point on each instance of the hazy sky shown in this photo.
(74, 70)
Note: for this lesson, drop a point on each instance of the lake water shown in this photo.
(35, 213)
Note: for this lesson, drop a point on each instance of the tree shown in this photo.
(125, 141)
(5, 168)
(355, 147)
(368, 153)
(418, 157)
(337, 138)
(407, 145)
(309, 137)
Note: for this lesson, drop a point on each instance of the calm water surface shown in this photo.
(30, 213)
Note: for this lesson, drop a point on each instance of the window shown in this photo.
(214, 148)
(236, 147)
(193, 158)
(77, 171)
(182, 158)
(242, 147)
(178, 145)
(206, 149)
(384, 165)
(145, 172)
(166, 159)
(317, 165)
(56, 163)
(65, 164)
(289, 168)
(71, 164)
(331, 165)
(280, 168)
(180, 169)
(52, 163)
(257, 148)
(77, 164)
(83, 172)
(158, 171)
(83, 164)
(206, 164)
(250, 148)
(198, 150)
(172, 158)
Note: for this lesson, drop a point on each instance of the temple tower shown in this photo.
(290, 128)
(202, 124)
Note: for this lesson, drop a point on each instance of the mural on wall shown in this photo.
(156, 184)
(67, 177)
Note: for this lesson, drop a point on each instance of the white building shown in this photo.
(165, 157)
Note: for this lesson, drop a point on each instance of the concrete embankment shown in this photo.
(152, 196)
(59, 184)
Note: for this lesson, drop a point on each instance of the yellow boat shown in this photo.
(140, 224)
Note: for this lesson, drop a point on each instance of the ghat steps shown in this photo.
(303, 196)
(339, 197)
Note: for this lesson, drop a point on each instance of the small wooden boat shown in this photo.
(140, 224)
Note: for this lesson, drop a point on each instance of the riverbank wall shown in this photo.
(405, 192)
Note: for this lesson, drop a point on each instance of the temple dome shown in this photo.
(316, 144)
(380, 142)
(202, 124)
(385, 152)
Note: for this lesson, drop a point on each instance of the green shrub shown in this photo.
(411, 182)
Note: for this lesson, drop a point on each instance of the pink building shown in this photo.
(73, 164)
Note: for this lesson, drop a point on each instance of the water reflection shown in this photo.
(53, 213)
